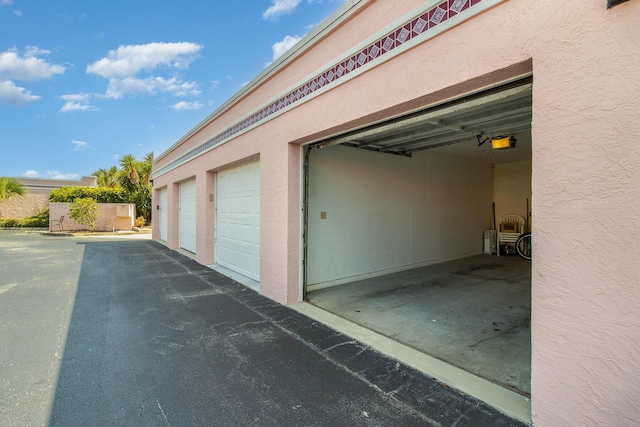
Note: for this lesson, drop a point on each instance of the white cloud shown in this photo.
(280, 7)
(17, 12)
(182, 105)
(76, 102)
(59, 175)
(51, 174)
(69, 107)
(121, 67)
(127, 61)
(6, 2)
(284, 45)
(76, 97)
(14, 95)
(119, 87)
(27, 67)
(79, 145)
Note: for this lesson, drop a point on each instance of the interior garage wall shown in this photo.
(512, 188)
(386, 213)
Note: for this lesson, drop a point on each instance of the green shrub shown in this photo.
(85, 211)
(35, 221)
(10, 222)
(100, 194)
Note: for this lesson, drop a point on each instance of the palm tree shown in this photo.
(107, 177)
(145, 168)
(129, 176)
(135, 177)
(10, 187)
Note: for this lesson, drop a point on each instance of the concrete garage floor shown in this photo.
(473, 313)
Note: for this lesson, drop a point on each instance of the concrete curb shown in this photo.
(94, 234)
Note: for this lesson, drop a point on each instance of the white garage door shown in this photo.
(237, 244)
(188, 216)
(162, 214)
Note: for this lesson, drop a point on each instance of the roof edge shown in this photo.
(334, 20)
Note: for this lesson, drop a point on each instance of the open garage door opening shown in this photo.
(395, 232)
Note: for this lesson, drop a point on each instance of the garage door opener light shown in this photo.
(502, 142)
(499, 142)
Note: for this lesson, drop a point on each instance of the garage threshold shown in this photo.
(249, 283)
(472, 311)
(509, 402)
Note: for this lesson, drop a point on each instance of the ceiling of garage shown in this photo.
(461, 123)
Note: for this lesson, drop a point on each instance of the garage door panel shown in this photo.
(163, 214)
(188, 216)
(238, 219)
(239, 260)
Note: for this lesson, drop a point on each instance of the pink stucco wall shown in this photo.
(585, 178)
(586, 181)
(23, 206)
(325, 49)
(108, 218)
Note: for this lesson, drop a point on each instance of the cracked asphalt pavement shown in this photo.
(99, 332)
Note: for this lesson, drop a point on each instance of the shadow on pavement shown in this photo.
(156, 339)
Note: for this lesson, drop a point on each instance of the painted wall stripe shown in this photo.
(419, 25)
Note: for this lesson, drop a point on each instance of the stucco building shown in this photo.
(36, 197)
(366, 150)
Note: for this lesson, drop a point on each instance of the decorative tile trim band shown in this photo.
(421, 24)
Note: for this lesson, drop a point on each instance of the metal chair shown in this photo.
(56, 221)
(510, 228)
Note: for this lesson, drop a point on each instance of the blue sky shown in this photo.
(84, 82)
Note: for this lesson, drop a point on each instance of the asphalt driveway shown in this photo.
(127, 332)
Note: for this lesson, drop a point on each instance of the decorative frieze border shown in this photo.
(426, 22)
